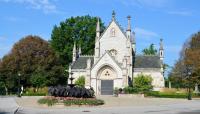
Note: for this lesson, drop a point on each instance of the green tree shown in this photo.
(150, 50)
(189, 56)
(38, 80)
(143, 83)
(31, 55)
(80, 81)
(80, 29)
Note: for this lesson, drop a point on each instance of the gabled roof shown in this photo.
(107, 52)
(81, 62)
(147, 61)
(121, 29)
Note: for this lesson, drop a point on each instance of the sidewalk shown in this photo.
(8, 105)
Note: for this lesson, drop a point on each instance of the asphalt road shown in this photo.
(9, 106)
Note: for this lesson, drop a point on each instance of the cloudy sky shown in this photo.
(173, 20)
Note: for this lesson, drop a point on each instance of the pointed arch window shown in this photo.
(112, 32)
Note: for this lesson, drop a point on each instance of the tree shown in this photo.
(29, 56)
(143, 83)
(189, 56)
(150, 50)
(80, 81)
(80, 29)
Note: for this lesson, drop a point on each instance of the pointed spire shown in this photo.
(113, 15)
(74, 52)
(74, 49)
(79, 50)
(129, 23)
(133, 38)
(98, 28)
(161, 44)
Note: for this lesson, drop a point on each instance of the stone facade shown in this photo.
(115, 62)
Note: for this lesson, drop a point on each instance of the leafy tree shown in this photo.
(143, 82)
(80, 81)
(189, 55)
(29, 56)
(150, 50)
(80, 29)
(38, 80)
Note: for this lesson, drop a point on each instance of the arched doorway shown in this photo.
(106, 77)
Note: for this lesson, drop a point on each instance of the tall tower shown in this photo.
(97, 43)
(161, 50)
(128, 31)
(74, 53)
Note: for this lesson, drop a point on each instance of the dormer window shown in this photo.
(113, 32)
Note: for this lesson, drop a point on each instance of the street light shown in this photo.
(189, 73)
(19, 95)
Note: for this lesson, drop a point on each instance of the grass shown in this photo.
(48, 101)
(166, 95)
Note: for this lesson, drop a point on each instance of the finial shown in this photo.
(113, 15)
(129, 23)
(98, 25)
(161, 44)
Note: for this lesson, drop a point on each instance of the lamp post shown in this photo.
(19, 75)
(189, 72)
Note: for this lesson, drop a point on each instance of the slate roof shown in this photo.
(144, 61)
(81, 62)
(141, 61)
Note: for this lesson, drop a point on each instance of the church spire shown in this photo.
(161, 50)
(98, 28)
(74, 52)
(79, 51)
(113, 15)
(128, 31)
(129, 23)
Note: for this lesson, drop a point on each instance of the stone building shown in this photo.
(115, 62)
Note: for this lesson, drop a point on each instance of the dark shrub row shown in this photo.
(78, 92)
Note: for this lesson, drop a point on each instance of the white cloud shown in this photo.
(146, 3)
(181, 13)
(146, 34)
(46, 6)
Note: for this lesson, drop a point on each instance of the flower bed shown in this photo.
(68, 101)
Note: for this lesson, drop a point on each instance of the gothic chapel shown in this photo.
(115, 63)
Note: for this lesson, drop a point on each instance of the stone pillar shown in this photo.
(196, 88)
(170, 86)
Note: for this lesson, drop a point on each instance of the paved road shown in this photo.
(8, 106)
(192, 107)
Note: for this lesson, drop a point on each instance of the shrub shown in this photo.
(2, 88)
(130, 90)
(78, 92)
(166, 95)
(35, 91)
(143, 83)
(48, 101)
(80, 81)
(84, 102)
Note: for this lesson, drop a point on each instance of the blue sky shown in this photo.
(173, 20)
